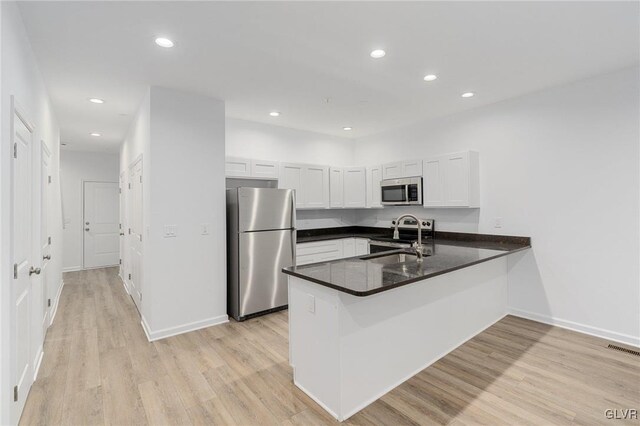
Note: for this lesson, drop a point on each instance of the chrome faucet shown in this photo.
(417, 247)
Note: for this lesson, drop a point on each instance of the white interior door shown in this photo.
(45, 244)
(134, 234)
(123, 212)
(21, 368)
(101, 219)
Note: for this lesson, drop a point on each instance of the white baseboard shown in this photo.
(185, 328)
(56, 301)
(614, 336)
(38, 363)
(72, 269)
(320, 403)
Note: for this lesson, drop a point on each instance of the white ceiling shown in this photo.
(290, 56)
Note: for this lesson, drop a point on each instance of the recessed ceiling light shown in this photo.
(378, 53)
(347, 128)
(468, 94)
(164, 42)
(274, 114)
(95, 134)
(96, 100)
(430, 77)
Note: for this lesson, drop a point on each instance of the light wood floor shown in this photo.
(99, 368)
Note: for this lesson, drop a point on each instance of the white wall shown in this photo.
(267, 142)
(277, 143)
(75, 168)
(181, 137)
(21, 78)
(561, 166)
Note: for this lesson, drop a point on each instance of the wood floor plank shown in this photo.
(99, 368)
(162, 403)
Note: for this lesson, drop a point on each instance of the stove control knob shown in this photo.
(425, 224)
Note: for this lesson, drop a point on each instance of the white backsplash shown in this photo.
(312, 219)
(453, 220)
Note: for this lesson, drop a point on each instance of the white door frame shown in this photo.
(15, 410)
(83, 221)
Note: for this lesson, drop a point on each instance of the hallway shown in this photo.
(99, 368)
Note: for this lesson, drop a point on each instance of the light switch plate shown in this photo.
(204, 228)
(311, 303)
(498, 222)
(170, 231)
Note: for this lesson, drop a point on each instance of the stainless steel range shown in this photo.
(407, 237)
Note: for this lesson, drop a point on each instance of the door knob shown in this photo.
(33, 270)
(47, 257)
(86, 229)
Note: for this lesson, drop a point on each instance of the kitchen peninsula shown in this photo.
(363, 325)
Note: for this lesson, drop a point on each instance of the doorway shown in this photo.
(101, 230)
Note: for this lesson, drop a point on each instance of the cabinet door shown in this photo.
(264, 169)
(412, 168)
(316, 187)
(336, 187)
(237, 167)
(355, 187)
(362, 246)
(291, 177)
(349, 247)
(374, 176)
(392, 170)
(433, 182)
(456, 179)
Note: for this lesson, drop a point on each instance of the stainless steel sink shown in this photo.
(390, 259)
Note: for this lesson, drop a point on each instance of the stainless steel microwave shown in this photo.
(401, 192)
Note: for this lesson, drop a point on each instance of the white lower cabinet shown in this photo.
(324, 251)
(362, 246)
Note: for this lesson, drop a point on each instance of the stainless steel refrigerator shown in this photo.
(261, 240)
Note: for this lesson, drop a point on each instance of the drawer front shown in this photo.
(318, 247)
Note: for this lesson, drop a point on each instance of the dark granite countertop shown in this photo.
(370, 274)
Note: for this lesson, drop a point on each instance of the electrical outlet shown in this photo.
(204, 228)
(311, 303)
(170, 231)
(497, 222)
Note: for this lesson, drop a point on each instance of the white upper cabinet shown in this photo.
(452, 180)
(237, 167)
(264, 169)
(355, 187)
(401, 169)
(291, 177)
(392, 170)
(412, 168)
(336, 187)
(315, 187)
(374, 177)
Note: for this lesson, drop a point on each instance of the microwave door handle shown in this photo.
(406, 193)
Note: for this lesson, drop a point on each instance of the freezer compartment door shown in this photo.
(262, 256)
(261, 209)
